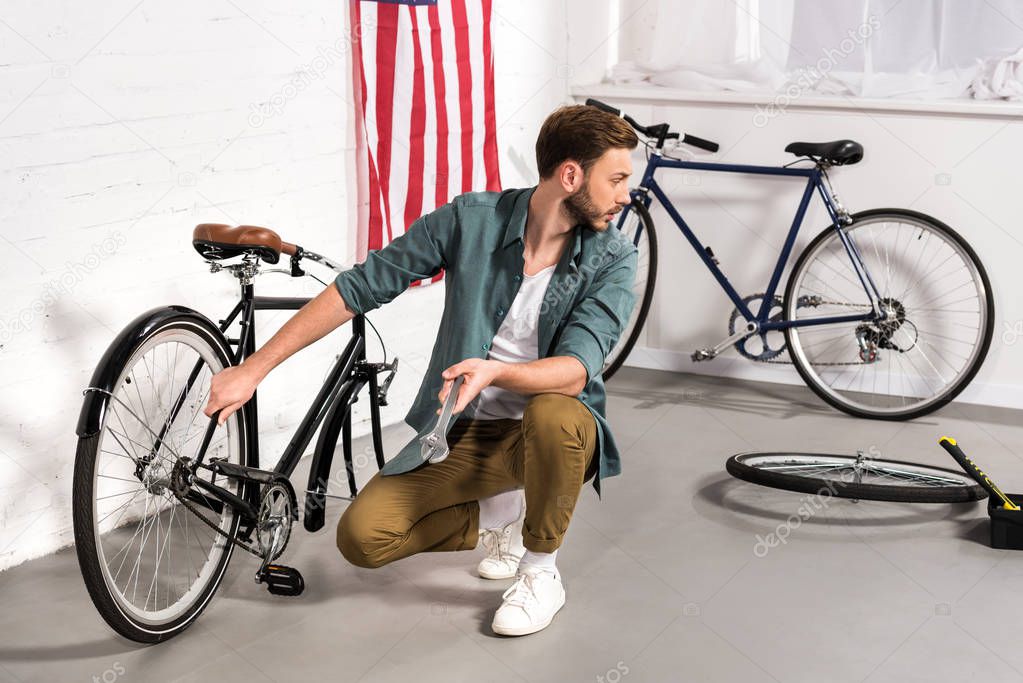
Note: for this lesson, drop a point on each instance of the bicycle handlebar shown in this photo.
(659, 130)
(590, 102)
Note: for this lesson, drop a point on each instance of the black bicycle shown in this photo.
(162, 494)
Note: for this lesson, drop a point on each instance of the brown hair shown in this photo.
(580, 133)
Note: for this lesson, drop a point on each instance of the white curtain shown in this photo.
(925, 49)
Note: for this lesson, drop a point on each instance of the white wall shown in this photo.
(122, 125)
(958, 167)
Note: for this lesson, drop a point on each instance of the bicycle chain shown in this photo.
(819, 303)
(232, 539)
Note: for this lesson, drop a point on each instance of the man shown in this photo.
(538, 290)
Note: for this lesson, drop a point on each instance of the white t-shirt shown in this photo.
(515, 342)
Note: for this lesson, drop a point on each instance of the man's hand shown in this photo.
(479, 373)
(230, 389)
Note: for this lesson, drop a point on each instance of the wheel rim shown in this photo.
(937, 300)
(156, 558)
(841, 469)
(629, 229)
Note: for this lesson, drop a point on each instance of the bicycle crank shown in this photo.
(278, 509)
(769, 348)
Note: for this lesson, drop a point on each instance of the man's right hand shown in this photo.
(230, 389)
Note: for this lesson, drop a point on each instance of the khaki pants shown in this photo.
(435, 507)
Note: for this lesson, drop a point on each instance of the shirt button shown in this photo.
(500, 311)
(517, 278)
(486, 346)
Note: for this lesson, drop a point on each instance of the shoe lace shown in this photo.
(493, 541)
(522, 593)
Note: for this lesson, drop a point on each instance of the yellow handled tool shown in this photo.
(950, 445)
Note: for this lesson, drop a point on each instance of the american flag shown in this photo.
(426, 130)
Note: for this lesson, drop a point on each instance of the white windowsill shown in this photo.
(652, 94)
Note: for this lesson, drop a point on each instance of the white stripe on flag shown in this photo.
(430, 142)
(401, 120)
(474, 14)
(451, 99)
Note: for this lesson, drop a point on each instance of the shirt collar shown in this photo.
(516, 227)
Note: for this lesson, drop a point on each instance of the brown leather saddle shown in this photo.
(217, 241)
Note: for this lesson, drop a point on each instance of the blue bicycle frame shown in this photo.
(815, 180)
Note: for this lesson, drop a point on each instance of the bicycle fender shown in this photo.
(104, 377)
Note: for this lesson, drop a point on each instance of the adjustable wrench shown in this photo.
(435, 443)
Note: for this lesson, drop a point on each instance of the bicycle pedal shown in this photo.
(281, 580)
(702, 354)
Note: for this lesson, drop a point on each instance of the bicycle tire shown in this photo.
(847, 406)
(118, 360)
(743, 466)
(616, 357)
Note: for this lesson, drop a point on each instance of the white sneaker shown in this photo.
(531, 602)
(504, 549)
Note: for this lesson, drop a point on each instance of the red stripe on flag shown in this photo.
(373, 238)
(489, 111)
(387, 48)
(463, 58)
(439, 95)
(417, 129)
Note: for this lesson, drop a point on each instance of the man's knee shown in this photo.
(556, 416)
(359, 539)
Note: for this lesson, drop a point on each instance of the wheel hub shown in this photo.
(879, 334)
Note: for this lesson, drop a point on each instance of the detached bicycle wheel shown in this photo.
(639, 228)
(150, 563)
(857, 477)
(939, 316)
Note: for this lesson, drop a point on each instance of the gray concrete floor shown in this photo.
(664, 578)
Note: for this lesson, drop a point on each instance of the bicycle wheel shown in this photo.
(854, 477)
(637, 222)
(940, 316)
(151, 565)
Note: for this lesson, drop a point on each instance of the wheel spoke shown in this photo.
(927, 345)
(155, 563)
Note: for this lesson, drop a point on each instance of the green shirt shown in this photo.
(477, 238)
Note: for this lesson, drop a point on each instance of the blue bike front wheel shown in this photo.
(637, 226)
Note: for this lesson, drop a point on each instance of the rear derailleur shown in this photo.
(873, 336)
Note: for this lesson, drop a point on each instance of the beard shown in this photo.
(581, 208)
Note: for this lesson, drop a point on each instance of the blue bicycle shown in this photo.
(886, 314)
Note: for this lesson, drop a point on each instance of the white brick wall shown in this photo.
(122, 124)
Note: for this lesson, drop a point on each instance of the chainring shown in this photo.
(278, 509)
(766, 352)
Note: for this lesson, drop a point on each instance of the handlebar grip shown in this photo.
(590, 102)
(700, 142)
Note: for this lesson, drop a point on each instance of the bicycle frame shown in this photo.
(649, 189)
(331, 407)
(349, 374)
